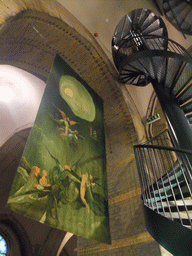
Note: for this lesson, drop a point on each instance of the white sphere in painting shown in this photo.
(77, 97)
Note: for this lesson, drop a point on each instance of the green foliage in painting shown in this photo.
(61, 179)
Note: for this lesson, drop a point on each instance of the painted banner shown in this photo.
(61, 180)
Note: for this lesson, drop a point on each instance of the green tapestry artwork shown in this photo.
(61, 180)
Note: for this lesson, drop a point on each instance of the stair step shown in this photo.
(177, 171)
(158, 32)
(167, 6)
(173, 205)
(136, 16)
(183, 82)
(177, 77)
(187, 226)
(182, 16)
(176, 10)
(175, 208)
(185, 221)
(184, 91)
(152, 27)
(143, 16)
(122, 30)
(187, 202)
(176, 215)
(154, 44)
(133, 72)
(168, 188)
(188, 112)
(130, 68)
(168, 195)
(172, 177)
(177, 192)
(160, 67)
(187, 106)
(151, 18)
(189, 117)
(173, 67)
(188, 19)
(149, 68)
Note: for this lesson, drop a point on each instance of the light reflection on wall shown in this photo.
(20, 96)
(6, 93)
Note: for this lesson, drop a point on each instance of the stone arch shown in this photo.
(27, 44)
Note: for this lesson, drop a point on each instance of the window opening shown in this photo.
(3, 246)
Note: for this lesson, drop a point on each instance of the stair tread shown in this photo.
(182, 16)
(177, 215)
(148, 21)
(176, 10)
(170, 4)
(152, 27)
(174, 203)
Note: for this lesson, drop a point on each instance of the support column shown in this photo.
(177, 121)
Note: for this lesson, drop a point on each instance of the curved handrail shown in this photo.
(154, 45)
(165, 132)
(171, 235)
(180, 150)
(167, 44)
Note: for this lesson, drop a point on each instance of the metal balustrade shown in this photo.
(165, 176)
(143, 54)
(143, 59)
(134, 44)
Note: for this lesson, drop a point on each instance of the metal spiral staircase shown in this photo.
(178, 13)
(142, 54)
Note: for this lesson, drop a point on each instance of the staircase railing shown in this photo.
(178, 13)
(132, 44)
(148, 57)
(165, 138)
(166, 179)
(142, 53)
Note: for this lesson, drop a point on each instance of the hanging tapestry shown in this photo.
(61, 180)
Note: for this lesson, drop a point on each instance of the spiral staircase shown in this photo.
(178, 13)
(144, 54)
